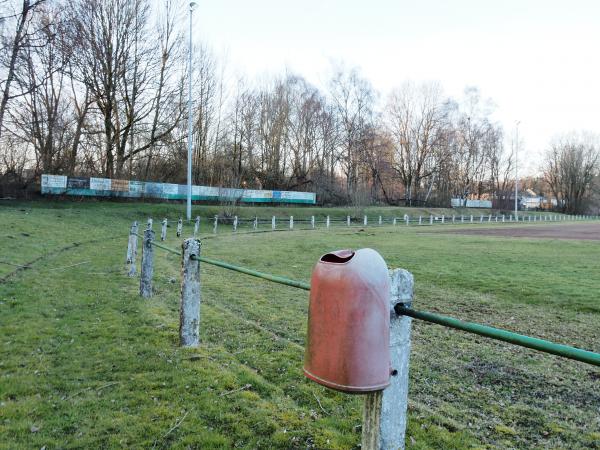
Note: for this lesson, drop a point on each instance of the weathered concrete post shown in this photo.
(149, 223)
(215, 224)
(312, 222)
(420, 220)
(496, 217)
(481, 218)
(147, 264)
(471, 218)
(510, 218)
(197, 226)
(431, 219)
(255, 223)
(179, 227)
(489, 218)
(348, 220)
(235, 223)
(443, 219)
(291, 222)
(385, 412)
(365, 221)
(394, 221)
(273, 223)
(453, 219)
(163, 229)
(395, 396)
(380, 220)
(189, 309)
(327, 222)
(132, 249)
(503, 218)
(407, 219)
(462, 219)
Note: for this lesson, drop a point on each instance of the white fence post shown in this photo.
(291, 222)
(431, 219)
(443, 219)
(235, 223)
(189, 308)
(197, 226)
(327, 222)
(132, 249)
(407, 219)
(503, 218)
(348, 220)
(255, 223)
(365, 221)
(420, 220)
(471, 218)
(453, 218)
(394, 221)
(179, 227)
(380, 220)
(215, 224)
(312, 222)
(273, 223)
(147, 264)
(163, 229)
(462, 219)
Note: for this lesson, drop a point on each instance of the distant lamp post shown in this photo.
(517, 171)
(189, 156)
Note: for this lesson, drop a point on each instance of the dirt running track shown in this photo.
(586, 231)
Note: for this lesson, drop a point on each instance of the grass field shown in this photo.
(86, 363)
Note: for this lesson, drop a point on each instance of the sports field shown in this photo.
(86, 363)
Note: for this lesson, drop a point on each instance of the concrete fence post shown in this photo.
(496, 217)
(489, 218)
(385, 412)
(348, 220)
(407, 219)
(327, 222)
(189, 308)
(255, 223)
(215, 224)
(147, 264)
(273, 223)
(510, 218)
(365, 221)
(420, 220)
(149, 223)
(481, 218)
(179, 227)
(453, 218)
(197, 226)
(163, 229)
(312, 222)
(291, 222)
(462, 219)
(503, 218)
(471, 218)
(380, 220)
(431, 220)
(443, 219)
(394, 221)
(132, 249)
(235, 223)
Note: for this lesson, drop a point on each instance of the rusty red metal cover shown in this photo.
(347, 346)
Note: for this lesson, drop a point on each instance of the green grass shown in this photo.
(86, 363)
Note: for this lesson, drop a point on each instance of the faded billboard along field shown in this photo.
(106, 187)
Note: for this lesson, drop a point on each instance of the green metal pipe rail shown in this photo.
(498, 334)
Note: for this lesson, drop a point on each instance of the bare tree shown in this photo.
(570, 166)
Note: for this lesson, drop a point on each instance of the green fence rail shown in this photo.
(498, 334)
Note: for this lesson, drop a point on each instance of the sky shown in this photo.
(539, 61)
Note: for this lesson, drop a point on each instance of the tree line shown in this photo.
(98, 88)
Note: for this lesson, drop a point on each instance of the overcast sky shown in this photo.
(539, 60)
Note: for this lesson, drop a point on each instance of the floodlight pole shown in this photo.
(516, 172)
(189, 155)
